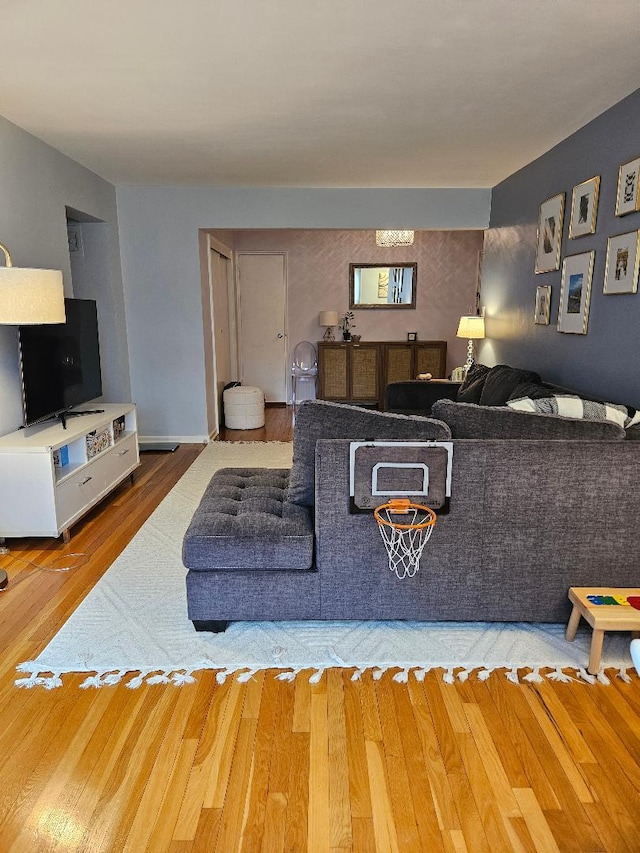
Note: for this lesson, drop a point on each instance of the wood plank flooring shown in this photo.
(340, 765)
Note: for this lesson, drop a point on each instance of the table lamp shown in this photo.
(472, 328)
(328, 319)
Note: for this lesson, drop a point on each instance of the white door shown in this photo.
(261, 327)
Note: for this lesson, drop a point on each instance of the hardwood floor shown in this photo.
(368, 765)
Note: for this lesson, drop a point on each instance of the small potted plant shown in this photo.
(346, 324)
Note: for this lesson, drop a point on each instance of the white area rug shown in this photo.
(133, 625)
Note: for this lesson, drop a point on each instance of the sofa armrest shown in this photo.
(416, 397)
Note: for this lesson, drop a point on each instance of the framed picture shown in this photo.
(628, 197)
(575, 293)
(550, 218)
(543, 305)
(623, 261)
(584, 208)
(412, 336)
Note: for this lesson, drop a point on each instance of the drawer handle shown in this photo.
(123, 452)
(85, 481)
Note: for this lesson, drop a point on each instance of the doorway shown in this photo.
(262, 286)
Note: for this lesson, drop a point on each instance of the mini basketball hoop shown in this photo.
(405, 528)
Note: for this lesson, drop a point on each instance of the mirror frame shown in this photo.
(356, 306)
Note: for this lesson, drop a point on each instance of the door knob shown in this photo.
(280, 335)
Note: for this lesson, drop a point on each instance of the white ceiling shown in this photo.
(349, 93)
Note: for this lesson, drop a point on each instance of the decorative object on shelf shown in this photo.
(425, 376)
(575, 293)
(584, 208)
(376, 286)
(628, 195)
(472, 328)
(394, 238)
(355, 339)
(412, 336)
(543, 305)
(29, 296)
(623, 263)
(329, 319)
(346, 324)
(550, 218)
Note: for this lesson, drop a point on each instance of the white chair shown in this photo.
(304, 369)
(635, 654)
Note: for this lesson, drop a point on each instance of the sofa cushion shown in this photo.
(321, 419)
(244, 521)
(471, 388)
(467, 420)
(501, 382)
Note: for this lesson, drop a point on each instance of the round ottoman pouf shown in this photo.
(243, 407)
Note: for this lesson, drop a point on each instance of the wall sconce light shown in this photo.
(472, 328)
(30, 296)
(328, 319)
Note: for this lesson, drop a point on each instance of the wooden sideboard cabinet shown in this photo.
(358, 373)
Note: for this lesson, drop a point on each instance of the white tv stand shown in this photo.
(51, 476)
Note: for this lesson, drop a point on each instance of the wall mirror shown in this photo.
(376, 286)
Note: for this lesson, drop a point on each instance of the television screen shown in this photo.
(60, 363)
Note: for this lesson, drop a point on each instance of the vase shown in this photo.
(346, 336)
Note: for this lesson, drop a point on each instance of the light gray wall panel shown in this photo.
(36, 183)
(159, 246)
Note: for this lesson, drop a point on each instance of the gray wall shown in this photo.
(36, 183)
(605, 361)
(160, 263)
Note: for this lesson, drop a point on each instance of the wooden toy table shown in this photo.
(602, 617)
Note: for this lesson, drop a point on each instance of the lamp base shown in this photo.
(328, 335)
(470, 359)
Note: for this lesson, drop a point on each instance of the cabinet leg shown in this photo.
(132, 478)
(66, 536)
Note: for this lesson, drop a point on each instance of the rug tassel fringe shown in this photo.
(559, 675)
(484, 674)
(534, 676)
(623, 675)
(512, 676)
(585, 676)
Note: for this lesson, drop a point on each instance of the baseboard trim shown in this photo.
(172, 439)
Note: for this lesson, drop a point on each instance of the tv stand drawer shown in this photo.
(76, 494)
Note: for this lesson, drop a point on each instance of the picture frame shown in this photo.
(584, 208)
(542, 311)
(412, 336)
(575, 293)
(628, 194)
(623, 263)
(549, 237)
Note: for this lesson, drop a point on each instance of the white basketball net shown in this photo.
(404, 545)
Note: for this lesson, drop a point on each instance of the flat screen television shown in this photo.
(60, 363)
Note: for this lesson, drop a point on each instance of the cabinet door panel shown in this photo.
(398, 363)
(334, 372)
(431, 358)
(365, 368)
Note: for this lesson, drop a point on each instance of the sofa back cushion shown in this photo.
(471, 388)
(500, 383)
(321, 419)
(467, 420)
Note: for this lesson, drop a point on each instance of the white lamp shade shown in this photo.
(328, 318)
(31, 296)
(471, 327)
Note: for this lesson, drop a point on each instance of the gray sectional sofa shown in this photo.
(537, 505)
